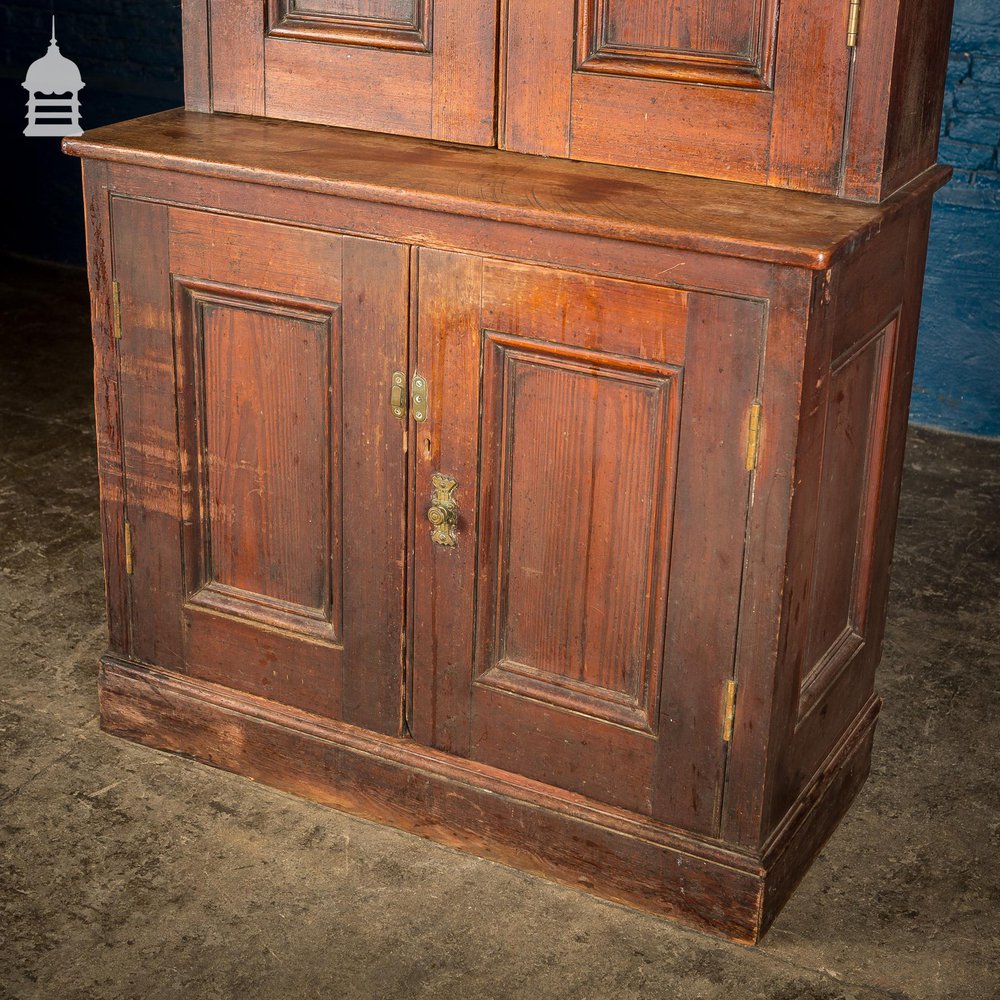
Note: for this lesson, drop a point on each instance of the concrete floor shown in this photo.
(128, 873)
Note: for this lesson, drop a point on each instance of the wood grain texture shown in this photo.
(266, 396)
(196, 45)
(788, 349)
(107, 389)
(850, 306)
(514, 701)
(233, 251)
(236, 56)
(245, 419)
(896, 95)
(810, 94)
(387, 67)
(684, 213)
(388, 91)
(462, 804)
(537, 90)
(575, 527)
(449, 292)
(376, 320)
(616, 562)
(148, 415)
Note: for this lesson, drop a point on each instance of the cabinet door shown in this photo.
(751, 90)
(263, 464)
(414, 67)
(584, 463)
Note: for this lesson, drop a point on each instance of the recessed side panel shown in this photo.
(583, 488)
(853, 448)
(725, 44)
(262, 438)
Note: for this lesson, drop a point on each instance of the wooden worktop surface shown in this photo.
(671, 210)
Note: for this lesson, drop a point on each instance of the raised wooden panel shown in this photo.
(846, 514)
(413, 67)
(581, 630)
(695, 40)
(390, 24)
(573, 603)
(750, 91)
(256, 364)
(261, 438)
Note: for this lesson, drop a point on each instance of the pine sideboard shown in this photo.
(542, 505)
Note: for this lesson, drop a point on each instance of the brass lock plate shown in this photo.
(443, 511)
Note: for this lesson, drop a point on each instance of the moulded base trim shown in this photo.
(562, 836)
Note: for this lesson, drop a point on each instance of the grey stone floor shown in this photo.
(127, 873)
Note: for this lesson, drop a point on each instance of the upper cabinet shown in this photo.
(840, 97)
(413, 67)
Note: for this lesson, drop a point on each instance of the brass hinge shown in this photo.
(128, 548)
(853, 18)
(397, 395)
(418, 398)
(116, 310)
(753, 436)
(729, 718)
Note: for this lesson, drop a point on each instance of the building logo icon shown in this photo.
(53, 75)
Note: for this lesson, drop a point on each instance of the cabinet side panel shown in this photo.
(849, 461)
(918, 75)
(895, 105)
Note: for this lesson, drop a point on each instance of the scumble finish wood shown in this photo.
(667, 210)
(553, 690)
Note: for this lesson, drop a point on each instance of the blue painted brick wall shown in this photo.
(957, 378)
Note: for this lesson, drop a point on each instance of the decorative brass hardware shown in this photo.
(116, 310)
(443, 511)
(753, 437)
(853, 19)
(729, 717)
(397, 395)
(128, 548)
(418, 398)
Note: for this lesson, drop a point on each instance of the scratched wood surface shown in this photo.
(639, 206)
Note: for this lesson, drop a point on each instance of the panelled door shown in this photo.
(581, 491)
(264, 466)
(414, 67)
(751, 90)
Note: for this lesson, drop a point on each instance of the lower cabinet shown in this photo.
(583, 440)
(541, 508)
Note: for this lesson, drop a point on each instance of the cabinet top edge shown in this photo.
(674, 211)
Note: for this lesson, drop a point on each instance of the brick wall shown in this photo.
(957, 378)
(970, 132)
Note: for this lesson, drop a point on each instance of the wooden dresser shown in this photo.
(501, 418)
